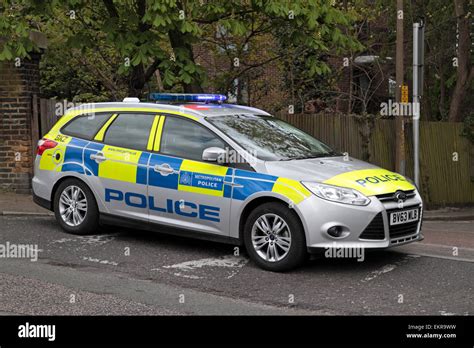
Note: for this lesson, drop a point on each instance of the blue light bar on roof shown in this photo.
(186, 97)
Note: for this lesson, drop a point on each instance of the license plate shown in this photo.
(403, 217)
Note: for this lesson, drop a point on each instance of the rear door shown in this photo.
(117, 162)
(74, 137)
(184, 190)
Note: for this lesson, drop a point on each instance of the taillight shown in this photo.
(45, 144)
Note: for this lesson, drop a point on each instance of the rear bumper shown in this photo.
(42, 202)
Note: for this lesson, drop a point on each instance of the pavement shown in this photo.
(20, 204)
(450, 214)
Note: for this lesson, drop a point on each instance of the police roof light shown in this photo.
(186, 97)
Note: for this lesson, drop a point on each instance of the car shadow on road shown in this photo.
(371, 260)
(170, 241)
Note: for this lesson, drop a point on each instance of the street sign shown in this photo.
(404, 94)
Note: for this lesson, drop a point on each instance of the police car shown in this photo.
(191, 165)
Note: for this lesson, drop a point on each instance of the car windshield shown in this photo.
(271, 139)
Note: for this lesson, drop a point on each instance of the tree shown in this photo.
(129, 41)
(465, 70)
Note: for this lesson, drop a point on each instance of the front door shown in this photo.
(185, 191)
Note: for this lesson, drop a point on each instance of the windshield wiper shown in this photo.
(334, 154)
(330, 154)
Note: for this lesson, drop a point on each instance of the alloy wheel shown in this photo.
(271, 237)
(73, 205)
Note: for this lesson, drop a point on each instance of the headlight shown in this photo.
(337, 194)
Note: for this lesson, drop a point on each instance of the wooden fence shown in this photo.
(446, 157)
(45, 113)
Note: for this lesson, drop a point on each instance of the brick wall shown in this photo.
(17, 86)
(263, 87)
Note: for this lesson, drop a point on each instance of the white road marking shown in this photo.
(63, 240)
(103, 262)
(95, 240)
(376, 273)
(226, 261)
(190, 276)
(388, 268)
(186, 269)
(85, 240)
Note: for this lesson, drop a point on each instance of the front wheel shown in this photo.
(274, 237)
(75, 207)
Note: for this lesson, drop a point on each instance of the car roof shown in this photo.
(195, 109)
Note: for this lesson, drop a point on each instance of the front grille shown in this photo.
(402, 230)
(386, 197)
(375, 229)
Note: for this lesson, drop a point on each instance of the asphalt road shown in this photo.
(133, 272)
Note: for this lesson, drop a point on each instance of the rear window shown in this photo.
(85, 126)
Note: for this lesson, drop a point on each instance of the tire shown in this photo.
(258, 242)
(88, 222)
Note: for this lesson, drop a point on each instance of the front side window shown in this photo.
(187, 139)
(85, 126)
(269, 138)
(130, 131)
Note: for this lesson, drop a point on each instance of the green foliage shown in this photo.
(14, 31)
(112, 48)
(329, 33)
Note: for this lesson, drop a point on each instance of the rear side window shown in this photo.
(187, 139)
(130, 131)
(85, 126)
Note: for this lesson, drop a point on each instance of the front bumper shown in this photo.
(318, 215)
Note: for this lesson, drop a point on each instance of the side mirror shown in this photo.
(212, 154)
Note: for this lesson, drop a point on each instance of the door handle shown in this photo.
(233, 184)
(98, 157)
(164, 169)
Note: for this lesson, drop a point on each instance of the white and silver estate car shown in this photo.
(191, 165)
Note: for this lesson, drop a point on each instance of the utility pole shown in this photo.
(400, 120)
(418, 62)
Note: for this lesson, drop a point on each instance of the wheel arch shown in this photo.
(257, 201)
(62, 179)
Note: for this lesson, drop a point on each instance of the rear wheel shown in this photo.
(274, 237)
(75, 208)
